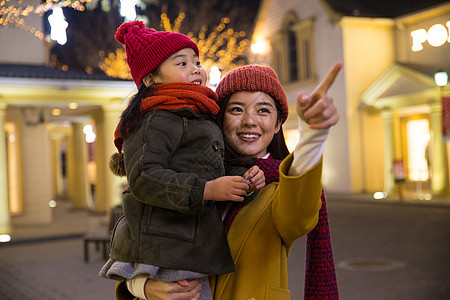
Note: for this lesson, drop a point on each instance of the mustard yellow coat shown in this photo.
(263, 233)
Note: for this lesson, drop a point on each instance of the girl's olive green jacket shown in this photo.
(263, 233)
(168, 160)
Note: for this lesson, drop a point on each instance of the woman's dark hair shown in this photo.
(277, 147)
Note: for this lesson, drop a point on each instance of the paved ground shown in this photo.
(386, 251)
(51, 270)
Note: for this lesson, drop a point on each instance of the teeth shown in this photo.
(249, 136)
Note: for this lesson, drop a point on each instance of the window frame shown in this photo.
(304, 47)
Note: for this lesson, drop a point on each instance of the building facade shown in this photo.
(390, 135)
(44, 152)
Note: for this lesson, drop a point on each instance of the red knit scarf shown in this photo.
(320, 275)
(199, 98)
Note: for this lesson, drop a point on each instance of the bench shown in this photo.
(101, 237)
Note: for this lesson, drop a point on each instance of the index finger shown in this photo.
(323, 87)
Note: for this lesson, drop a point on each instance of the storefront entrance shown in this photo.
(414, 152)
(415, 144)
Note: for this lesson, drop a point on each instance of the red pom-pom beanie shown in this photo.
(254, 78)
(148, 48)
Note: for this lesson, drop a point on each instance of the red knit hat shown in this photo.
(254, 78)
(148, 48)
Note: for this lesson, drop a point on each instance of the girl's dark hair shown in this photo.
(277, 147)
(131, 115)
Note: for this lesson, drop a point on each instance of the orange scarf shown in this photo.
(199, 98)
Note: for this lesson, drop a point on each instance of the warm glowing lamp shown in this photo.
(90, 134)
(214, 76)
(441, 78)
(4, 238)
(260, 47)
(73, 105)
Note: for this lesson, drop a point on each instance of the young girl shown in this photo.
(172, 154)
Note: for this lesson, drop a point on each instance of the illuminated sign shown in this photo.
(436, 36)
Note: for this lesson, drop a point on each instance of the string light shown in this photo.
(114, 64)
(15, 14)
(220, 48)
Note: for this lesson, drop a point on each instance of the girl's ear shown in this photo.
(148, 80)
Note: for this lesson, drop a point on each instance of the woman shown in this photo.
(262, 232)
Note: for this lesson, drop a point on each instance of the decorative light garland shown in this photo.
(114, 64)
(210, 48)
(14, 14)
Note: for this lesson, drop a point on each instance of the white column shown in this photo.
(109, 187)
(389, 149)
(5, 225)
(439, 169)
(57, 165)
(77, 174)
(37, 177)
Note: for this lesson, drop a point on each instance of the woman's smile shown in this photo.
(250, 122)
(249, 136)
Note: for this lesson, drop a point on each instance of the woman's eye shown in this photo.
(264, 110)
(182, 63)
(236, 109)
(198, 64)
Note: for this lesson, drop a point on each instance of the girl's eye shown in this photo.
(182, 63)
(198, 63)
(264, 110)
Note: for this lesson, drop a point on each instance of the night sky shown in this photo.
(93, 30)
